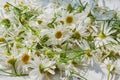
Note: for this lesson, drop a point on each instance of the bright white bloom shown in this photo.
(111, 69)
(104, 36)
(58, 35)
(41, 67)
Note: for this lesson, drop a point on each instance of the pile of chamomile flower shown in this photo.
(63, 40)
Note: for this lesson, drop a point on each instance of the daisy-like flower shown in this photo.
(78, 32)
(9, 62)
(72, 71)
(114, 50)
(116, 70)
(58, 35)
(5, 19)
(75, 19)
(47, 15)
(85, 46)
(29, 39)
(108, 67)
(42, 68)
(14, 61)
(101, 13)
(104, 36)
(90, 57)
(22, 62)
(66, 18)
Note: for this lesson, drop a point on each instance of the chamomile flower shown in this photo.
(88, 52)
(22, 62)
(114, 50)
(47, 15)
(5, 20)
(78, 32)
(42, 67)
(102, 13)
(85, 46)
(116, 70)
(90, 57)
(58, 35)
(109, 68)
(70, 69)
(104, 36)
(66, 18)
(9, 61)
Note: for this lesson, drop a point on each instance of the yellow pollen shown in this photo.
(101, 35)
(2, 39)
(6, 5)
(69, 19)
(88, 53)
(76, 35)
(74, 30)
(41, 68)
(12, 61)
(37, 53)
(108, 66)
(39, 21)
(48, 73)
(25, 58)
(20, 3)
(62, 22)
(58, 34)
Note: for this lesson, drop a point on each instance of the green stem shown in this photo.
(73, 72)
(13, 6)
(74, 57)
(13, 73)
(108, 77)
(81, 3)
(103, 28)
(8, 49)
(107, 20)
(15, 70)
(5, 71)
(22, 75)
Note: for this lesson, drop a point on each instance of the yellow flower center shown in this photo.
(114, 70)
(12, 61)
(62, 22)
(37, 53)
(6, 6)
(2, 39)
(74, 30)
(108, 66)
(58, 34)
(6, 22)
(39, 21)
(20, 3)
(112, 53)
(69, 19)
(41, 68)
(88, 53)
(76, 35)
(101, 35)
(25, 58)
